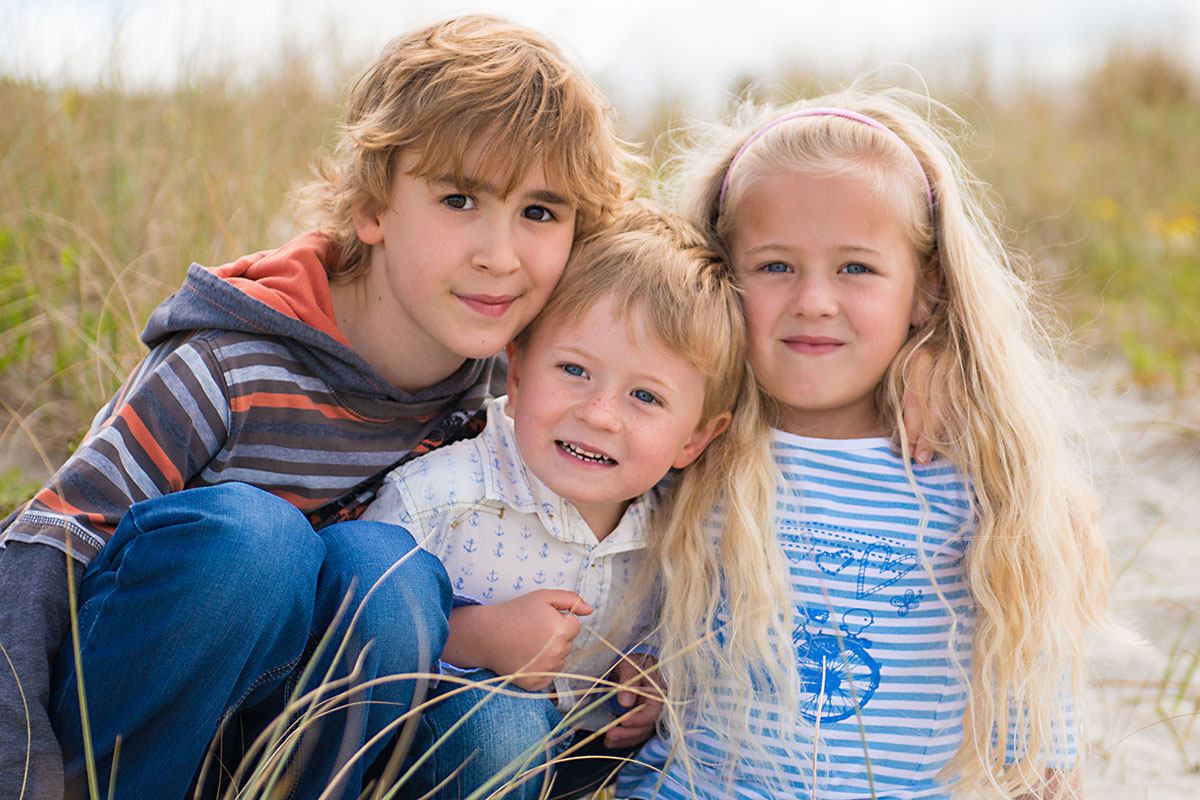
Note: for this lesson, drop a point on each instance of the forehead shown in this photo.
(798, 208)
(490, 161)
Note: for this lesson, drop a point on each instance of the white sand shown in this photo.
(1145, 701)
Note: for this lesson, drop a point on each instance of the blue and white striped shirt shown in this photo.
(882, 638)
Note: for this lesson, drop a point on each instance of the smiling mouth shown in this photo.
(488, 305)
(815, 345)
(584, 455)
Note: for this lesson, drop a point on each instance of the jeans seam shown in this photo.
(289, 666)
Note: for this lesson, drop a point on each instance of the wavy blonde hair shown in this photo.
(468, 82)
(1036, 565)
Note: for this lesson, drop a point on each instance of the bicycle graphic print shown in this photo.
(837, 674)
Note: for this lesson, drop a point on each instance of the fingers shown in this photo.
(622, 736)
(570, 602)
(531, 683)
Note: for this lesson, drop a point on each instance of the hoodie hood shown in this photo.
(284, 293)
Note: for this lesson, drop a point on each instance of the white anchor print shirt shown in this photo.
(501, 532)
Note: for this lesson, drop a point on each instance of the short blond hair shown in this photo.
(470, 81)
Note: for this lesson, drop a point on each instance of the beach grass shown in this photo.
(111, 193)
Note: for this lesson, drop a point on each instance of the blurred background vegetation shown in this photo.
(108, 195)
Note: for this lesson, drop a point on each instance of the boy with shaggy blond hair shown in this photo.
(473, 155)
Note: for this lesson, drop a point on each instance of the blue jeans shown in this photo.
(205, 604)
(502, 737)
(471, 735)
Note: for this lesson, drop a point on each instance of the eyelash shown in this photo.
(549, 215)
(845, 268)
(650, 398)
(465, 202)
(653, 399)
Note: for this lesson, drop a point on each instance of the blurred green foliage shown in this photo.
(109, 195)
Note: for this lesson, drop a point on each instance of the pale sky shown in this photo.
(637, 49)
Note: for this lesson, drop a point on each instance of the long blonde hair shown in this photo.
(1036, 565)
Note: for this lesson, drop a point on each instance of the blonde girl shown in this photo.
(908, 630)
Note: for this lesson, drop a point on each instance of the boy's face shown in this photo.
(601, 415)
(457, 271)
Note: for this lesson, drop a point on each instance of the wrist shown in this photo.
(466, 645)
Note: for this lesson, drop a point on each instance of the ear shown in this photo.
(701, 438)
(928, 291)
(513, 381)
(367, 226)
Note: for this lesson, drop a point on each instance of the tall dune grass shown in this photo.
(109, 195)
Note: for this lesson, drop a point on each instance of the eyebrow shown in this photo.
(852, 249)
(653, 381)
(470, 184)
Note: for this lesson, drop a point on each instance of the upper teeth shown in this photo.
(586, 455)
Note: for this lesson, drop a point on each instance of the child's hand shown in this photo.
(1058, 786)
(644, 695)
(922, 418)
(530, 633)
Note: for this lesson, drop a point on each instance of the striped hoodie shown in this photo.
(248, 379)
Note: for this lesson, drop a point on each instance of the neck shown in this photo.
(833, 424)
(603, 519)
(405, 364)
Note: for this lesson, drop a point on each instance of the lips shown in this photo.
(812, 345)
(488, 305)
(583, 454)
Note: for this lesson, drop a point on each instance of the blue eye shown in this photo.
(538, 214)
(574, 369)
(777, 267)
(856, 269)
(644, 396)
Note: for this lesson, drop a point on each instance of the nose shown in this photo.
(496, 249)
(813, 296)
(599, 410)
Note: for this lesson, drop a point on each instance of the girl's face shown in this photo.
(830, 282)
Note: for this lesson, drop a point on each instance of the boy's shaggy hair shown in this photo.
(468, 83)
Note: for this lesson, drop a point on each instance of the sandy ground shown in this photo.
(1145, 701)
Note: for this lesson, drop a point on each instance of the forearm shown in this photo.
(34, 622)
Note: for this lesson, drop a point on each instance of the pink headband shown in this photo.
(823, 112)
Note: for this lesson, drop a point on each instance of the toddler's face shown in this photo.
(602, 410)
(829, 277)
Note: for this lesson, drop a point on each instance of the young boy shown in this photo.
(630, 371)
(473, 155)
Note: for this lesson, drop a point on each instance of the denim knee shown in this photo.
(399, 595)
(508, 733)
(243, 549)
